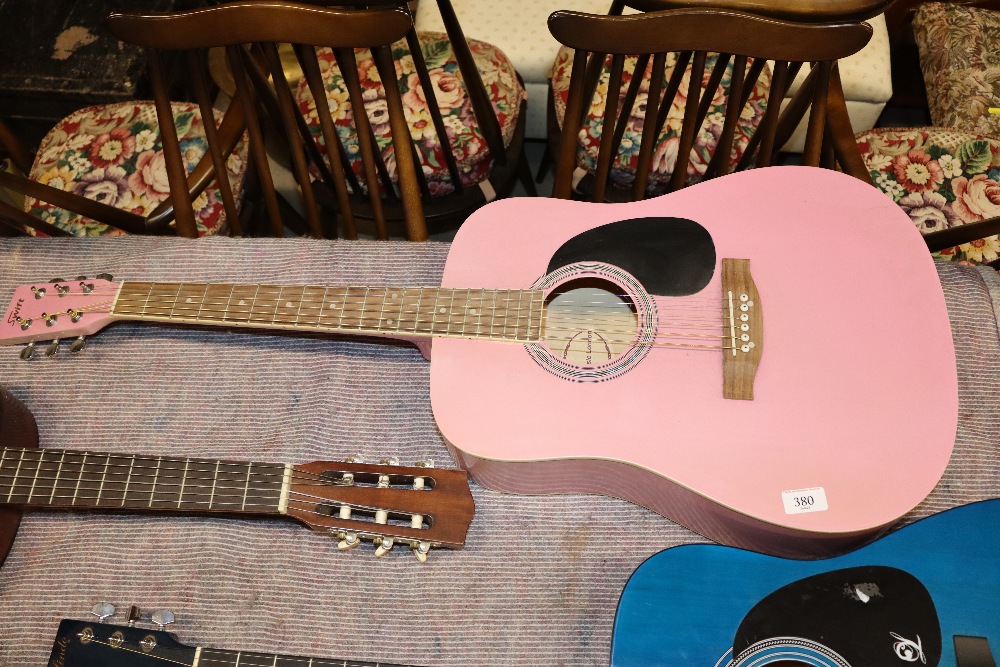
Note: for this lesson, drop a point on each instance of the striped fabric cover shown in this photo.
(539, 579)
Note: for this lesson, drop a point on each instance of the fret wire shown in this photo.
(247, 488)
(180, 495)
(215, 480)
(80, 478)
(104, 475)
(58, 473)
(128, 479)
(16, 472)
(156, 476)
(31, 491)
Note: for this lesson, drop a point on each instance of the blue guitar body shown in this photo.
(927, 594)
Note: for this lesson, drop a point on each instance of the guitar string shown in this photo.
(189, 482)
(685, 322)
(314, 662)
(310, 662)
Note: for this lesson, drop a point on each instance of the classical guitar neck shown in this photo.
(76, 479)
(411, 312)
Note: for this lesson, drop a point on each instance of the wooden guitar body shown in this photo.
(924, 595)
(854, 405)
(17, 429)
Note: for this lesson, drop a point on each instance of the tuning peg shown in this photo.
(391, 461)
(349, 541)
(52, 348)
(81, 277)
(355, 458)
(103, 610)
(420, 550)
(28, 351)
(104, 276)
(57, 280)
(162, 617)
(78, 344)
(134, 613)
(385, 545)
(424, 463)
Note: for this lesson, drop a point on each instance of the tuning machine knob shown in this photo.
(134, 614)
(420, 550)
(78, 344)
(162, 617)
(103, 610)
(52, 348)
(28, 351)
(104, 276)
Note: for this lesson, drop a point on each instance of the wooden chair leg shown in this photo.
(524, 174)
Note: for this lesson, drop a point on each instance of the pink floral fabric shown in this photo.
(941, 178)
(464, 135)
(113, 154)
(665, 153)
(960, 58)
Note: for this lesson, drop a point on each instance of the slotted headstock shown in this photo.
(418, 506)
(58, 309)
(96, 644)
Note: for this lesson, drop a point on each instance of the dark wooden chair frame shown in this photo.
(737, 37)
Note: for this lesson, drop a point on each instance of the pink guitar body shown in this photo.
(854, 406)
(765, 358)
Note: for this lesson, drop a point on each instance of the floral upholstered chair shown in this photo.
(113, 154)
(948, 175)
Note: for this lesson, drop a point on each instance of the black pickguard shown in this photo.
(669, 256)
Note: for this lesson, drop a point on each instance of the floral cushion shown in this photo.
(113, 154)
(464, 135)
(665, 152)
(941, 178)
(960, 58)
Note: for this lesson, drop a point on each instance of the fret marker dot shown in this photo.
(242, 302)
(189, 300)
(395, 295)
(442, 310)
(288, 304)
(389, 322)
(472, 311)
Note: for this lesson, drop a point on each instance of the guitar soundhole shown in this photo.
(599, 322)
(589, 322)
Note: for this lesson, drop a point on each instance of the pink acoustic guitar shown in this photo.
(765, 358)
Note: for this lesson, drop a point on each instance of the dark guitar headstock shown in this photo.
(97, 644)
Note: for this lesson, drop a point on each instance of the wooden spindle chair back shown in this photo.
(745, 41)
(250, 31)
(509, 161)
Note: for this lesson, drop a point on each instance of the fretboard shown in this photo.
(217, 658)
(68, 479)
(505, 315)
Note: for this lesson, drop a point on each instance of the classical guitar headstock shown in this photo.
(388, 504)
(95, 643)
(57, 309)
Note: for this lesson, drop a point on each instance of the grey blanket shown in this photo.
(539, 579)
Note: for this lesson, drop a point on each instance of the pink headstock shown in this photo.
(58, 309)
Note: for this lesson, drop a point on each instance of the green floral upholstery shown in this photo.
(665, 153)
(960, 57)
(113, 154)
(464, 135)
(941, 178)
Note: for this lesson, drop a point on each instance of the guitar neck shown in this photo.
(75, 479)
(405, 312)
(217, 658)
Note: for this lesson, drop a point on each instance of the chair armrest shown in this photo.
(953, 236)
(109, 215)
